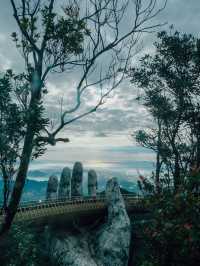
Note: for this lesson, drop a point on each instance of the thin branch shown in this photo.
(24, 32)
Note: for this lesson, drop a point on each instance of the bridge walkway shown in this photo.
(75, 207)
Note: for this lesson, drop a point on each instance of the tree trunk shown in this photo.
(23, 168)
(19, 183)
(5, 192)
(157, 180)
(158, 163)
(26, 153)
(198, 152)
(177, 180)
(5, 187)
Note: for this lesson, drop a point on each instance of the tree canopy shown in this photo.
(170, 82)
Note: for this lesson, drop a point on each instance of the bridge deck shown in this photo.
(69, 208)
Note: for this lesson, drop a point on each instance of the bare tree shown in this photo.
(75, 38)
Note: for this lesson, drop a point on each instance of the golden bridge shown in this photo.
(70, 209)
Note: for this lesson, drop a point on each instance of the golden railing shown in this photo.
(45, 209)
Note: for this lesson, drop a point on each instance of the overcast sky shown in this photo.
(114, 122)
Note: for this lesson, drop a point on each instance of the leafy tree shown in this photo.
(73, 39)
(11, 134)
(170, 83)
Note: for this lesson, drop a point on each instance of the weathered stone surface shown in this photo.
(73, 250)
(52, 187)
(92, 183)
(108, 245)
(113, 239)
(77, 178)
(64, 190)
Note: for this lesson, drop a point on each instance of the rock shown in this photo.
(73, 250)
(113, 239)
(64, 190)
(92, 183)
(77, 178)
(52, 187)
(107, 245)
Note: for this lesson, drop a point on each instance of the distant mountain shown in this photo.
(37, 173)
(33, 190)
(36, 190)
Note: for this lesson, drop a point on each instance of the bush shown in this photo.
(173, 233)
(23, 246)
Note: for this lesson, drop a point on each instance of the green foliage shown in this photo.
(60, 35)
(147, 263)
(14, 116)
(66, 31)
(11, 117)
(22, 246)
(173, 233)
(38, 123)
(170, 82)
(11, 132)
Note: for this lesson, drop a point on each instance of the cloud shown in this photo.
(121, 113)
(100, 135)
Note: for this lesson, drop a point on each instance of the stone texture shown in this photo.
(92, 183)
(113, 239)
(52, 187)
(64, 190)
(68, 249)
(77, 178)
(107, 245)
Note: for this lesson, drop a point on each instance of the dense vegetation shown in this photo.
(171, 235)
(169, 81)
(24, 245)
(170, 90)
